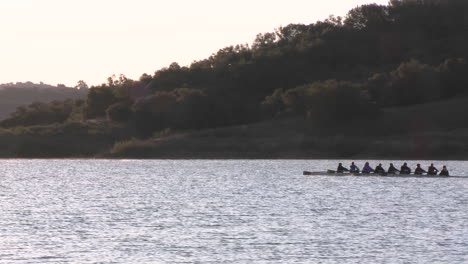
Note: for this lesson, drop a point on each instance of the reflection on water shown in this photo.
(89, 211)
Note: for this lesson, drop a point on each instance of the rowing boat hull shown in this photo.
(325, 173)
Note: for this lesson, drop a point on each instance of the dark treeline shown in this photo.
(407, 52)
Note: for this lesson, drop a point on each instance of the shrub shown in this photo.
(131, 148)
(327, 101)
(119, 112)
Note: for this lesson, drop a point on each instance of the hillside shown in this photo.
(435, 130)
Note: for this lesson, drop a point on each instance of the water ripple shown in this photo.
(103, 211)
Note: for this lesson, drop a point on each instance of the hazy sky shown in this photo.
(63, 41)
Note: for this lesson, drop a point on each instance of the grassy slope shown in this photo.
(435, 130)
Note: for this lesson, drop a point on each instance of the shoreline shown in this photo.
(237, 158)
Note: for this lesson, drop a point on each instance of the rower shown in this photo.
(405, 169)
(432, 170)
(341, 169)
(392, 169)
(353, 168)
(379, 169)
(444, 171)
(419, 170)
(367, 168)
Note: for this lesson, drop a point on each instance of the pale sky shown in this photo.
(63, 41)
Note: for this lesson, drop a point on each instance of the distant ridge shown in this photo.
(13, 95)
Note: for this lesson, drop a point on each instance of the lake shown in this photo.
(227, 211)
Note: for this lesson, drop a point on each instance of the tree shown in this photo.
(264, 40)
(154, 112)
(327, 101)
(120, 112)
(411, 82)
(98, 100)
(82, 85)
(370, 17)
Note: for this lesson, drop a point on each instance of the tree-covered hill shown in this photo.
(424, 131)
(347, 70)
(404, 53)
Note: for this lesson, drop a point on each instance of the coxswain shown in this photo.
(444, 171)
(379, 169)
(419, 170)
(432, 170)
(405, 169)
(392, 169)
(367, 168)
(341, 169)
(353, 168)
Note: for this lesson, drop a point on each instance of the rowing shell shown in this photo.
(333, 173)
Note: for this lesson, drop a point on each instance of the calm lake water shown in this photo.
(163, 211)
